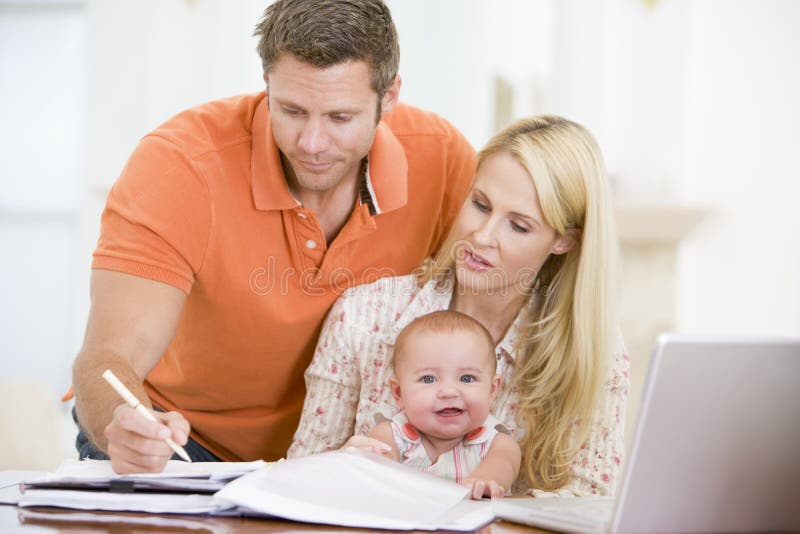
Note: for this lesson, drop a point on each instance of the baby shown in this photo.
(444, 382)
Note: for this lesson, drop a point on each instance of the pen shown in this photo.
(134, 403)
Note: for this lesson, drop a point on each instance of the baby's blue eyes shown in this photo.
(466, 379)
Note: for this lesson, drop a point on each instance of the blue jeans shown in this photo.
(87, 449)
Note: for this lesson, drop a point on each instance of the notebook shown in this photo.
(716, 449)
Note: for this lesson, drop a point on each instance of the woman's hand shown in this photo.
(483, 488)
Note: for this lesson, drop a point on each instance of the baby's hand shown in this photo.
(483, 488)
(368, 444)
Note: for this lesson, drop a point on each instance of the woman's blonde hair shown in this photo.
(570, 330)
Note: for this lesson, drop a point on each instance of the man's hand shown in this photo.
(483, 488)
(136, 445)
(131, 323)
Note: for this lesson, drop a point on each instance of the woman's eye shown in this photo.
(480, 205)
(467, 379)
(519, 228)
(427, 379)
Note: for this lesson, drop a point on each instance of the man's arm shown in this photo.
(131, 322)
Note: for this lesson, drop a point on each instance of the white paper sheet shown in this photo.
(10, 481)
(173, 469)
(357, 489)
(154, 503)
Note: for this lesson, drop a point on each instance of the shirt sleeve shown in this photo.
(333, 385)
(157, 219)
(596, 469)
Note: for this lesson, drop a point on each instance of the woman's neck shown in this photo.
(495, 312)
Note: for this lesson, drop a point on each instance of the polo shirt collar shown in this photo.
(387, 174)
(270, 190)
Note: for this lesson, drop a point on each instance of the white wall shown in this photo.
(692, 100)
(451, 51)
(42, 149)
(695, 101)
(741, 272)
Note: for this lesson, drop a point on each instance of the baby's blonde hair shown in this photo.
(447, 321)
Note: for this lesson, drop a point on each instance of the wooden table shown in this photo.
(49, 520)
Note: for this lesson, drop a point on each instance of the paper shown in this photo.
(346, 488)
(10, 481)
(154, 503)
(357, 489)
(173, 469)
(200, 477)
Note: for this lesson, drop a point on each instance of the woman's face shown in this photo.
(503, 237)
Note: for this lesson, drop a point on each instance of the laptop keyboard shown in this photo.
(594, 509)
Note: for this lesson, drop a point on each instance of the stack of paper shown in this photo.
(182, 487)
(348, 488)
(203, 477)
(10, 484)
(154, 503)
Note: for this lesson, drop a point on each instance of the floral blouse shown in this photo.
(347, 389)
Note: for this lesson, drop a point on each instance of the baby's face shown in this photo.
(446, 382)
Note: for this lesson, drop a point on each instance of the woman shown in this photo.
(531, 256)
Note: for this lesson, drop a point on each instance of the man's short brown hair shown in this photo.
(324, 33)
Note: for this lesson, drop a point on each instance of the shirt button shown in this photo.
(311, 243)
(302, 215)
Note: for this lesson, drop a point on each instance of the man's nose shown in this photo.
(313, 137)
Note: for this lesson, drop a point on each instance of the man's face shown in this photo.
(323, 119)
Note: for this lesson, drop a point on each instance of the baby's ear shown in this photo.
(394, 385)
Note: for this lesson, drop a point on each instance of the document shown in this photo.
(10, 484)
(178, 476)
(351, 488)
(150, 502)
(354, 488)
(182, 487)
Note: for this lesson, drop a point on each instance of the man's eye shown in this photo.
(427, 379)
(341, 118)
(292, 112)
(468, 379)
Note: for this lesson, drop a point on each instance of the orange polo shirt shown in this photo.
(203, 205)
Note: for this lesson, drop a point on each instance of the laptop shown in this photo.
(716, 449)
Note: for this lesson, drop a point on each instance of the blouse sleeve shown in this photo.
(333, 386)
(596, 468)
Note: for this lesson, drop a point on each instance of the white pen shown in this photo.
(134, 403)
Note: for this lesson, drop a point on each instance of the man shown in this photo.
(235, 225)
